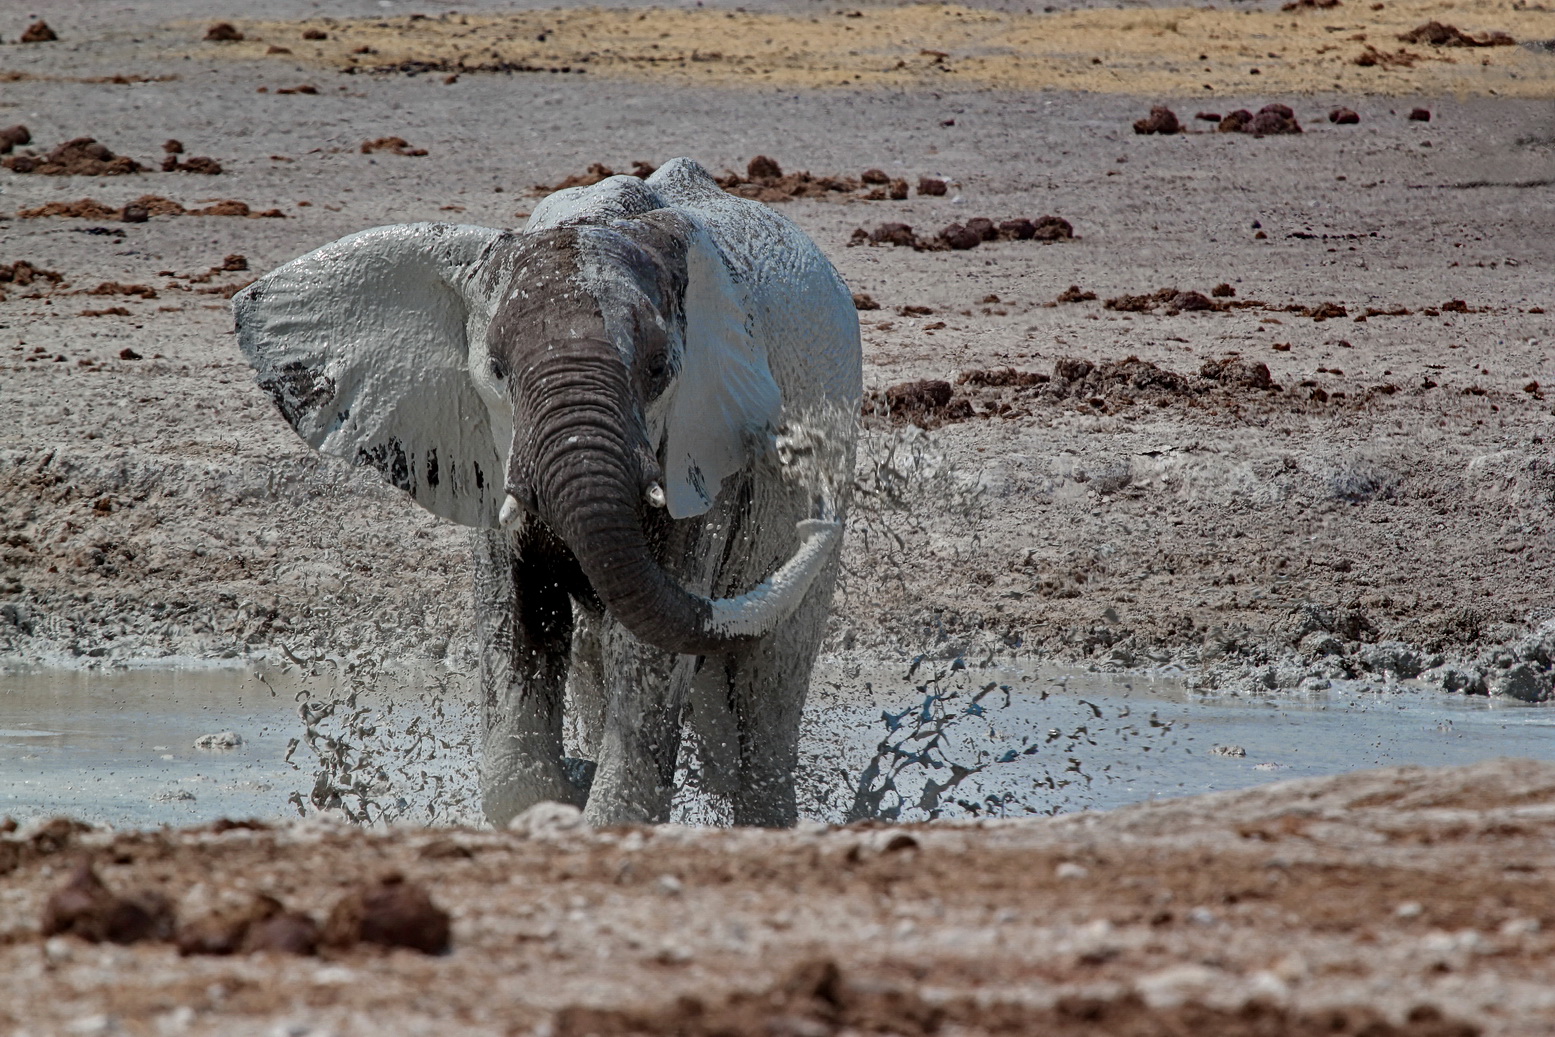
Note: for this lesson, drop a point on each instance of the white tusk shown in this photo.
(512, 513)
(656, 495)
(758, 611)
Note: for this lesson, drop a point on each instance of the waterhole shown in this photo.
(892, 741)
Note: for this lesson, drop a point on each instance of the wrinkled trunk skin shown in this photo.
(581, 459)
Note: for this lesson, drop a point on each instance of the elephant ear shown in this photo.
(727, 406)
(363, 346)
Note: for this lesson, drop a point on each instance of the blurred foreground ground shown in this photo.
(1400, 901)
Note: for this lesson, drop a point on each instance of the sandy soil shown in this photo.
(1401, 901)
(1396, 488)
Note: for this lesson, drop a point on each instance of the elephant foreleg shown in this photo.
(524, 627)
(645, 690)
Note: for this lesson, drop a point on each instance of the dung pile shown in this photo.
(959, 236)
(142, 208)
(765, 181)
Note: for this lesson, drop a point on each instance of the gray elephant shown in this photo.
(645, 402)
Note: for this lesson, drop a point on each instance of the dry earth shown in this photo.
(1386, 509)
(1395, 490)
(1401, 901)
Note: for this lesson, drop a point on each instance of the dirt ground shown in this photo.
(1336, 465)
(1401, 901)
(1378, 506)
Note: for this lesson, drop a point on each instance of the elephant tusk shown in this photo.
(758, 611)
(656, 495)
(512, 513)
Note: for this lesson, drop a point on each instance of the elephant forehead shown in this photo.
(543, 295)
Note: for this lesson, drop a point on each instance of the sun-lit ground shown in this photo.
(1177, 51)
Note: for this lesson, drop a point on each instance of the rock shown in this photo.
(1523, 681)
(548, 819)
(392, 913)
(1420, 115)
(221, 740)
(931, 186)
(960, 238)
(1228, 750)
(223, 32)
(1392, 657)
(763, 168)
(1160, 120)
(1344, 116)
(38, 32)
(85, 908)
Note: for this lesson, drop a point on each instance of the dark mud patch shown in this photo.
(1438, 34)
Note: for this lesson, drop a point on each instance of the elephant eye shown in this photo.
(499, 368)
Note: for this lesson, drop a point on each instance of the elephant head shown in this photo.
(582, 373)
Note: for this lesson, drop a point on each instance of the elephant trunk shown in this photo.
(573, 403)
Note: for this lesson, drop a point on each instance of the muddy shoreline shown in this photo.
(1379, 507)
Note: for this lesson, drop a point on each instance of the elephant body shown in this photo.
(645, 403)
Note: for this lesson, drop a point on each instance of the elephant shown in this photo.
(645, 403)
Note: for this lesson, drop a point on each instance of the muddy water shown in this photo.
(121, 747)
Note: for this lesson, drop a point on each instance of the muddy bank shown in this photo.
(1339, 466)
(1401, 901)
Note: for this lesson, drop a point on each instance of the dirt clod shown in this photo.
(763, 168)
(1420, 115)
(864, 301)
(81, 156)
(1438, 34)
(22, 273)
(932, 187)
(1074, 294)
(85, 908)
(1160, 120)
(1344, 116)
(197, 164)
(396, 145)
(38, 32)
(13, 137)
(1208, 116)
(874, 176)
(315, 34)
(263, 924)
(1234, 371)
(1052, 228)
(1223, 291)
(960, 237)
(391, 913)
(223, 32)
